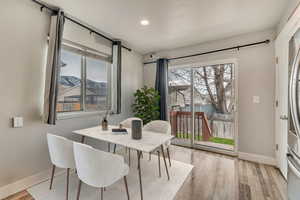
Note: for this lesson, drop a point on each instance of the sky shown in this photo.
(96, 69)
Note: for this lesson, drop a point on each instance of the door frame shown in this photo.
(281, 53)
(194, 65)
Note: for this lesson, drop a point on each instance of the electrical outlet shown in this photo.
(17, 122)
(256, 99)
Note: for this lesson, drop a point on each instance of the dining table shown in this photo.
(150, 142)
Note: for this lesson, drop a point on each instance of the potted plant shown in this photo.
(146, 104)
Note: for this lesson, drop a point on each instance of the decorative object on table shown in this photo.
(120, 126)
(136, 129)
(104, 122)
(146, 104)
(119, 131)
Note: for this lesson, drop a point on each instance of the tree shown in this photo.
(213, 83)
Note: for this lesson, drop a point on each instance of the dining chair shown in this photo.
(126, 124)
(61, 155)
(164, 127)
(99, 169)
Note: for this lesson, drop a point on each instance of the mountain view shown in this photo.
(98, 88)
(70, 94)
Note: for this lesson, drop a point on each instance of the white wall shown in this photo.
(290, 7)
(256, 77)
(23, 152)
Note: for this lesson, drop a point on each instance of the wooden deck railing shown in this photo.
(181, 125)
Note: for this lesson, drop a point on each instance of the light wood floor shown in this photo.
(219, 177)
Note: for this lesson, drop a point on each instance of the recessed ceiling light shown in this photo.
(145, 22)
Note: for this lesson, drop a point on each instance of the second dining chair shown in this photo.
(164, 127)
(99, 169)
(61, 155)
(126, 124)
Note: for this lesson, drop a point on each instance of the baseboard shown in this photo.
(26, 183)
(257, 158)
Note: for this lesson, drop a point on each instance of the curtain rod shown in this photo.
(214, 51)
(78, 23)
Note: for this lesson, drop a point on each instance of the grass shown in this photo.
(212, 139)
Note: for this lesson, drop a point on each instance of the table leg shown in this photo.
(129, 160)
(139, 157)
(108, 147)
(82, 139)
(68, 181)
(140, 173)
(163, 154)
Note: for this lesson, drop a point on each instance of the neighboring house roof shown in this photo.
(70, 86)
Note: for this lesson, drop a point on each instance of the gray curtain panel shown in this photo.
(117, 62)
(53, 67)
(161, 85)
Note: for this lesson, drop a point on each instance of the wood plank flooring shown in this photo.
(220, 177)
(20, 196)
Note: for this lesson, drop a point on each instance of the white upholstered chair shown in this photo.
(98, 168)
(127, 122)
(61, 155)
(164, 127)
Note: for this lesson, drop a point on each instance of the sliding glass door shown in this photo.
(180, 104)
(202, 106)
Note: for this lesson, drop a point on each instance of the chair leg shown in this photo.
(168, 152)
(101, 193)
(79, 190)
(159, 168)
(52, 176)
(115, 146)
(126, 187)
(68, 179)
(149, 156)
(164, 157)
(108, 147)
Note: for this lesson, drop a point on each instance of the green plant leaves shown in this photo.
(146, 104)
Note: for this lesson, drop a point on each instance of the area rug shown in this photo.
(154, 187)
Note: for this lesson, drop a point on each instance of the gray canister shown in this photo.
(136, 129)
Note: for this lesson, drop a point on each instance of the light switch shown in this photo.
(256, 99)
(17, 122)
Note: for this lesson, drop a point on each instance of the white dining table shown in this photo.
(149, 142)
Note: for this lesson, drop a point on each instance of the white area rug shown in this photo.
(154, 188)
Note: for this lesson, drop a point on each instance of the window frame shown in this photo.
(86, 52)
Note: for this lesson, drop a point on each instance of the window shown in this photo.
(96, 84)
(84, 80)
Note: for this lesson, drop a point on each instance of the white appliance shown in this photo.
(293, 155)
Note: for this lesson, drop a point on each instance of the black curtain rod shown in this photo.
(215, 51)
(78, 23)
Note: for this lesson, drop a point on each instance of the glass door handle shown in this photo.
(284, 117)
